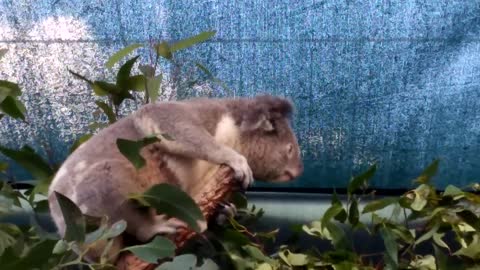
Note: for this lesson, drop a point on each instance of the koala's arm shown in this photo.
(190, 138)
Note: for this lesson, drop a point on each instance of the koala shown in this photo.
(253, 136)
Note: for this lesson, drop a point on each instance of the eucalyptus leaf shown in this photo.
(257, 254)
(191, 41)
(353, 213)
(379, 204)
(391, 246)
(361, 180)
(331, 212)
(38, 255)
(107, 110)
(60, 247)
(136, 83)
(147, 70)
(121, 53)
(10, 107)
(454, 192)
(153, 87)
(131, 149)
(174, 202)
(123, 74)
(74, 220)
(163, 49)
(81, 77)
(6, 239)
(159, 248)
(28, 159)
(427, 174)
(79, 142)
(14, 89)
(428, 234)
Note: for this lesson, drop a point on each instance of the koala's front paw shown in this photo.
(242, 170)
(226, 210)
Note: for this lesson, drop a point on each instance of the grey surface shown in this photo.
(392, 81)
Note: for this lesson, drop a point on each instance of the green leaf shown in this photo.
(174, 202)
(6, 238)
(471, 251)
(353, 213)
(331, 212)
(454, 192)
(437, 238)
(4, 93)
(428, 234)
(204, 69)
(101, 88)
(444, 262)
(391, 246)
(159, 248)
(131, 149)
(428, 173)
(29, 160)
(264, 266)
(257, 254)
(60, 247)
(147, 70)
(121, 53)
(153, 87)
(107, 110)
(470, 218)
(37, 256)
(79, 142)
(342, 216)
(123, 74)
(187, 262)
(116, 229)
(421, 195)
(361, 180)
(78, 76)
(239, 200)
(3, 52)
(136, 83)
(163, 49)
(233, 236)
(424, 263)
(10, 107)
(74, 220)
(15, 90)
(293, 259)
(191, 41)
(379, 204)
(338, 237)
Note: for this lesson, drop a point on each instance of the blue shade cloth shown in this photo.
(388, 81)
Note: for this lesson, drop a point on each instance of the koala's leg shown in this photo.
(144, 226)
(105, 191)
(191, 140)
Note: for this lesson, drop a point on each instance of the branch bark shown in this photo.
(207, 201)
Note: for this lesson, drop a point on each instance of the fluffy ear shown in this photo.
(260, 123)
(275, 107)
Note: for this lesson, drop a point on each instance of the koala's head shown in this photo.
(267, 139)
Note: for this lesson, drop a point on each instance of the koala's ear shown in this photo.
(260, 123)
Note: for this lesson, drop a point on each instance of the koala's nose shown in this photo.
(295, 171)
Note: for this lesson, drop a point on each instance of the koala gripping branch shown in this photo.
(207, 200)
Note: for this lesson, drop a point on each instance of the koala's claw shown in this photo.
(226, 210)
(242, 171)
